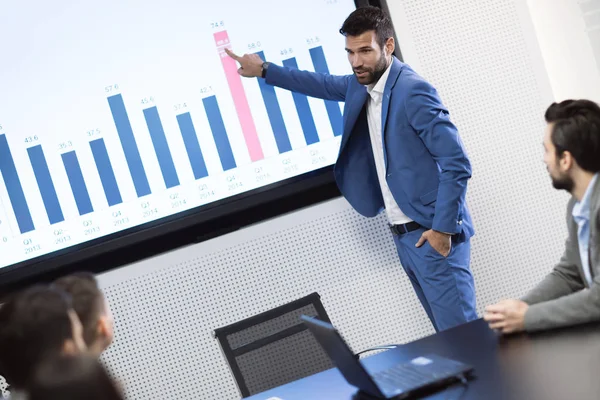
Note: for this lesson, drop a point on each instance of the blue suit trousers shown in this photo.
(444, 285)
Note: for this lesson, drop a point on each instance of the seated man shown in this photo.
(570, 294)
(36, 323)
(92, 309)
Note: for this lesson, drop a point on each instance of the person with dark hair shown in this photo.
(570, 294)
(400, 153)
(92, 309)
(36, 323)
(79, 377)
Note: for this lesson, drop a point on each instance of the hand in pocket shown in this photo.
(439, 241)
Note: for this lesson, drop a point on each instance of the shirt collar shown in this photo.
(581, 210)
(379, 86)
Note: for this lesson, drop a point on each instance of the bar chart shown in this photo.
(274, 111)
(77, 182)
(239, 97)
(219, 133)
(106, 172)
(14, 188)
(127, 138)
(129, 158)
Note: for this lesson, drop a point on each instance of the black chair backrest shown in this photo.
(274, 347)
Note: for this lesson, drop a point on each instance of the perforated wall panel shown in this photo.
(3, 388)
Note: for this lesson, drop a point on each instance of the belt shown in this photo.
(404, 228)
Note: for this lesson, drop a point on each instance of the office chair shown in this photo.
(275, 347)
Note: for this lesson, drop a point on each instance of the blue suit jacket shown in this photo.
(427, 167)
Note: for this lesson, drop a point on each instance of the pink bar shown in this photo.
(239, 97)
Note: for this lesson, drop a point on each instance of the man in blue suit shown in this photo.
(399, 153)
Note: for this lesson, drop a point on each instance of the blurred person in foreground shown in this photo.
(36, 323)
(92, 308)
(73, 377)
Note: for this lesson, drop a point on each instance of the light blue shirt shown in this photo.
(581, 214)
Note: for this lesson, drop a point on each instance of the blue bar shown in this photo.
(333, 108)
(78, 187)
(302, 107)
(13, 185)
(274, 112)
(219, 133)
(132, 154)
(188, 132)
(44, 182)
(105, 170)
(161, 147)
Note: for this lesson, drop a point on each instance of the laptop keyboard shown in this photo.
(408, 376)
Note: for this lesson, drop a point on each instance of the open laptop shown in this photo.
(402, 380)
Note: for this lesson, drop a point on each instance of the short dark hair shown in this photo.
(74, 377)
(576, 130)
(369, 18)
(34, 324)
(87, 298)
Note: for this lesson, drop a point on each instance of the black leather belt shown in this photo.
(404, 228)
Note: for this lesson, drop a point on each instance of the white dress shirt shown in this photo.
(374, 104)
(581, 215)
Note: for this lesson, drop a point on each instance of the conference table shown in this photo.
(558, 364)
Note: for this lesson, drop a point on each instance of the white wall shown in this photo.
(563, 38)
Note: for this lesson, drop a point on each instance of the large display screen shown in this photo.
(115, 114)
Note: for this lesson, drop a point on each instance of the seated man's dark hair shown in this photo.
(576, 130)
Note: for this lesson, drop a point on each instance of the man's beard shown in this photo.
(374, 74)
(563, 183)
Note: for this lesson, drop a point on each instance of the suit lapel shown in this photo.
(387, 95)
(352, 110)
(594, 246)
(573, 230)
